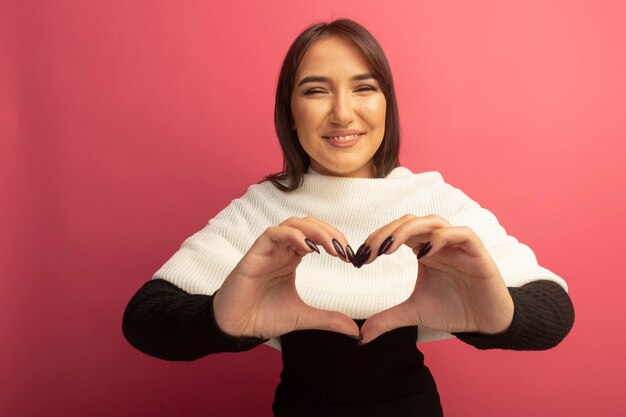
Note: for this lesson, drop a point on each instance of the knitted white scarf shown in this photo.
(356, 207)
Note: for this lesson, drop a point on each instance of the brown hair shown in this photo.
(295, 159)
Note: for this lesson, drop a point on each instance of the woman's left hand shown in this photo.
(458, 287)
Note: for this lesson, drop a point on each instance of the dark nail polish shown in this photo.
(384, 247)
(366, 255)
(363, 256)
(424, 250)
(350, 254)
(359, 338)
(311, 245)
(338, 248)
(357, 257)
(360, 249)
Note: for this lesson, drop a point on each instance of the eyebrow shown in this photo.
(320, 79)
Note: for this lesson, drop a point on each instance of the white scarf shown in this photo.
(356, 207)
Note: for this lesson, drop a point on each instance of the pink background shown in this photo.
(126, 125)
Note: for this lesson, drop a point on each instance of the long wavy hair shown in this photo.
(295, 160)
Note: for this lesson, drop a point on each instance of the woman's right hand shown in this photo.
(259, 297)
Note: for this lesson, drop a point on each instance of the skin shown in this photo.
(458, 287)
(340, 102)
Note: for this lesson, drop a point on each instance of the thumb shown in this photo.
(401, 315)
(333, 321)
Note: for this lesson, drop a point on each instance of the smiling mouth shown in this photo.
(343, 138)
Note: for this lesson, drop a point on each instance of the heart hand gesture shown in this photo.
(259, 297)
(458, 287)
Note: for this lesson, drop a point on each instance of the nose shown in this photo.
(342, 112)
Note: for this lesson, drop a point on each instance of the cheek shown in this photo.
(307, 115)
(376, 109)
(296, 113)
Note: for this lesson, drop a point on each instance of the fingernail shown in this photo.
(363, 256)
(359, 338)
(311, 245)
(350, 255)
(384, 247)
(424, 250)
(359, 250)
(360, 343)
(338, 248)
(357, 257)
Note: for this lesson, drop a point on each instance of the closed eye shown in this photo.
(314, 91)
(364, 88)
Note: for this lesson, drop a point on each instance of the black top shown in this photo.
(329, 374)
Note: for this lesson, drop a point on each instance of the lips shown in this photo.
(344, 141)
(344, 138)
(343, 135)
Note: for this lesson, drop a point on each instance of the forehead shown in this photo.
(334, 56)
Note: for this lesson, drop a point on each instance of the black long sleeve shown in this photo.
(164, 321)
(543, 316)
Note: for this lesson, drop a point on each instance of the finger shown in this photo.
(339, 241)
(333, 321)
(379, 242)
(401, 315)
(461, 237)
(332, 240)
(289, 238)
(410, 230)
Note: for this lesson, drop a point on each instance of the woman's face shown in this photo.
(338, 109)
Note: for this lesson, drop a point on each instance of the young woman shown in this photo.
(431, 263)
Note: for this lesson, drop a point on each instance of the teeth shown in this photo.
(345, 137)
